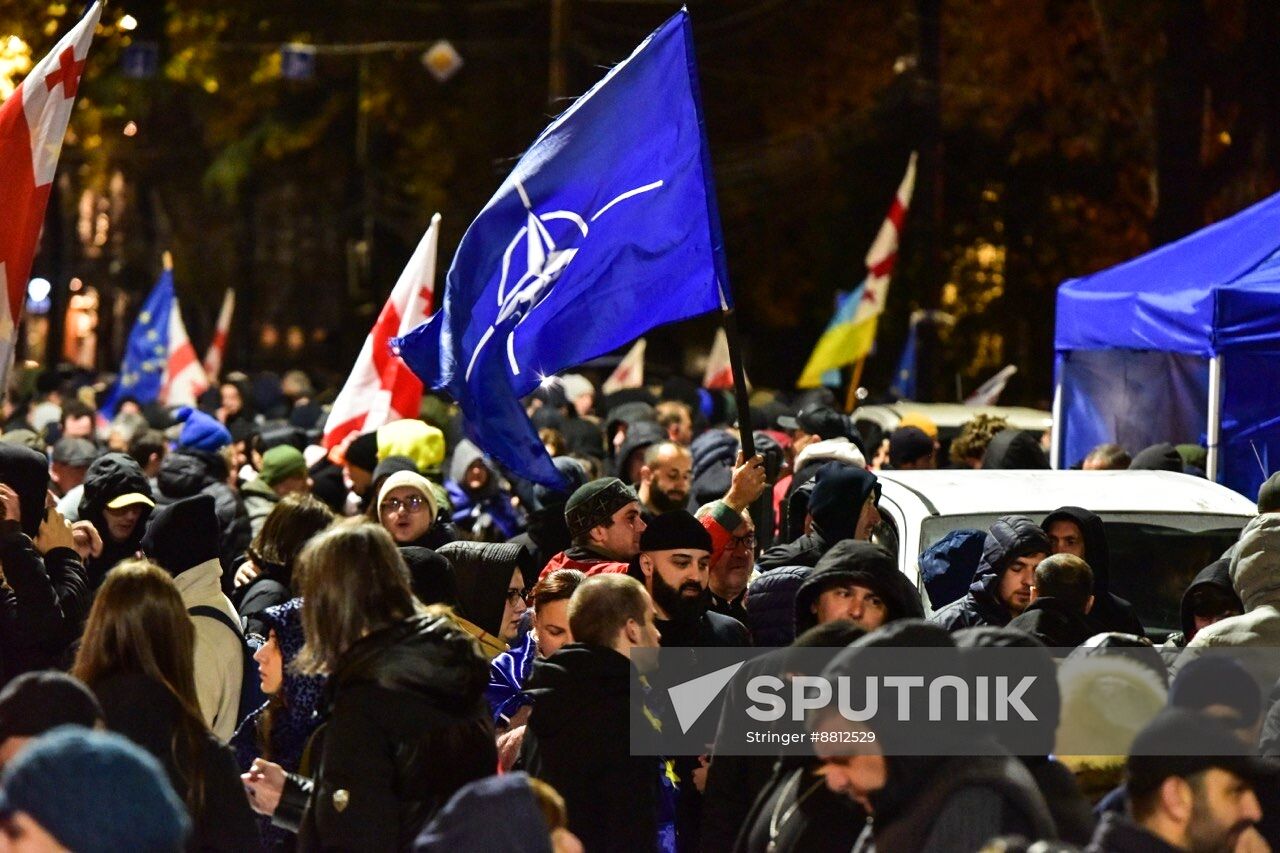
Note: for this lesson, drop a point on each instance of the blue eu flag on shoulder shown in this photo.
(606, 228)
(146, 353)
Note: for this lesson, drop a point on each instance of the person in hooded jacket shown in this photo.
(280, 729)
(1158, 457)
(842, 506)
(1015, 449)
(1210, 598)
(117, 501)
(182, 539)
(1068, 806)
(405, 724)
(947, 566)
(196, 467)
(482, 501)
(1079, 532)
(493, 580)
(44, 591)
(546, 531)
(1001, 587)
(629, 458)
(1255, 576)
(855, 584)
(715, 455)
(914, 802)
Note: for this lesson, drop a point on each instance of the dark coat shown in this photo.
(1110, 612)
(146, 713)
(819, 821)
(713, 630)
(611, 795)
(771, 605)
(43, 599)
(1116, 833)
(1009, 538)
(1217, 575)
(1014, 449)
(189, 472)
(1053, 623)
(256, 596)
(388, 696)
(836, 502)
(109, 477)
(947, 566)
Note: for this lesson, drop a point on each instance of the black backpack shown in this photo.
(251, 695)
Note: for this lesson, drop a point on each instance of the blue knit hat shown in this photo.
(201, 431)
(95, 792)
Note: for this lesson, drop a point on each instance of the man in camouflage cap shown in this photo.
(605, 525)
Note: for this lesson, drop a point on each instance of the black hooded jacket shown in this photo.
(44, 598)
(578, 741)
(1014, 449)
(1217, 575)
(189, 472)
(1054, 623)
(483, 571)
(1110, 612)
(387, 700)
(836, 503)
(864, 564)
(1010, 537)
(109, 477)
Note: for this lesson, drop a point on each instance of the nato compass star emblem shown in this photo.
(550, 241)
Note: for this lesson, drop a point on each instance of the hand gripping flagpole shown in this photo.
(727, 316)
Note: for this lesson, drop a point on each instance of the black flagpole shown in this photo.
(743, 400)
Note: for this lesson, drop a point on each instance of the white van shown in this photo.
(1162, 528)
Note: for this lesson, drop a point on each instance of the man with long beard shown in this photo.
(665, 479)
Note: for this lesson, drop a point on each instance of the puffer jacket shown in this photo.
(188, 472)
(1255, 575)
(1010, 537)
(379, 774)
(714, 453)
(1110, 612)
(771, 605)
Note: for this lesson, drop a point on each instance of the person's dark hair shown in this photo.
(139, 625)
(668, 413)
(602, 605)
(144, 444)
(556, 586)
(1066, 578)
(287, 529)
(74, 409)
(1110, 457)
(354, 583)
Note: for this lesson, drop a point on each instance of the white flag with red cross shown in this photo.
(33, 121)
(630, 371)
(218, 348)
(381, 388)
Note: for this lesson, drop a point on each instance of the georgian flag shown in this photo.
(218, 348)
(381, 388)
(33, 121)
(630, 371)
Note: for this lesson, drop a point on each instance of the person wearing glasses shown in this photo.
(733, 539)
(406, 507)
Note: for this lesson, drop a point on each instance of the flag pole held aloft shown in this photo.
(606, 228)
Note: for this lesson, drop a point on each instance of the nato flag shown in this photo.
(606, 228)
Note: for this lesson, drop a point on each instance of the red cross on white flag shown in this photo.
(33, 121)
(381, 388)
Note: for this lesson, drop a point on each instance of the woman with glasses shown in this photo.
(407, 507)
(493, 582)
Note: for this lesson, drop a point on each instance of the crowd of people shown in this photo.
(218, 634)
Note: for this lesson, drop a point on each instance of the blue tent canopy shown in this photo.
(1179, 345)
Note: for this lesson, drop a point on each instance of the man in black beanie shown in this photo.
(182, 539)
(605, 526)
(675, 553)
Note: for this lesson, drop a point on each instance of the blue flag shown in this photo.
(146, 354)
(606, 228)
(904, 378)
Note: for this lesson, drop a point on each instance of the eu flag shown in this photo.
(606, 228)
(146, 354)
(904, 378)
